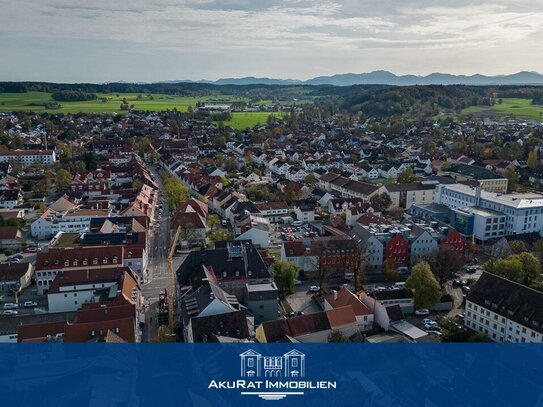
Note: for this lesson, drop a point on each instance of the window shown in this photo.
(294, 362)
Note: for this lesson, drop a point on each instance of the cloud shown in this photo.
(344, 30)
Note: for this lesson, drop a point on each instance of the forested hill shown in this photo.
(419, 100)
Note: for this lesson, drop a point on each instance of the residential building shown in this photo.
(73, 288)
(505, 311)
(273, 211)
(488, 180)
(15, 276)
(309, 328)
(10, 237)
(28, 157)
(10, 198)
(344, 297)
(262, 300)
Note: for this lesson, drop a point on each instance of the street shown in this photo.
(157, 271)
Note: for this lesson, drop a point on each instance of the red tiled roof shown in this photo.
(294, 249)
(347, 298)
(39, 332)
(9, 232)
(341, 317)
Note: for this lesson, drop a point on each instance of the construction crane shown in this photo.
(171, 281)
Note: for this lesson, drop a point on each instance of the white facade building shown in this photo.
(523, 212)
(28, 157)
(505, 311)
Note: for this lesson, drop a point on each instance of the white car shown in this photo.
(422, 312)
(29, 304)
(314, 289)
(297, 282)
(9, 312)
(428, 321)
(10, 305)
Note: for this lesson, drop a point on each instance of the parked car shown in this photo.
(471, 270)
(428, 321)
(422, 312)
(10, 305)
(297, 282)
(432, 327)
(466, 289)
(9, 312)
(314, 289)
(31, 250)
(461, 316)
(29, 304)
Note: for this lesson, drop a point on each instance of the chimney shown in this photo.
(335, 294)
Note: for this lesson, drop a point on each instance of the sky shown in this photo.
(157, 40)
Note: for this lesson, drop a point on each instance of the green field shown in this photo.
(22, 101)
(242, 120)
(519, 108)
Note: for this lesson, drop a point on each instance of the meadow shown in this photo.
(30, 101)
(513, 107)
(242, 120)
(34, 101)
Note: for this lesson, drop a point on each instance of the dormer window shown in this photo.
(67, 262)
(85, 262)
(57, 262)
(95, 261)
(105, 260)
(75, 262)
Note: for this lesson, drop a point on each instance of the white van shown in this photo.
(297, 223)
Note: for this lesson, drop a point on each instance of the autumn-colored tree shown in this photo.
(532, 159)
(426, 289)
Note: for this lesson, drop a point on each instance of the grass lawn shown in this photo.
(242, 120)
(519, 108)
(21, 101)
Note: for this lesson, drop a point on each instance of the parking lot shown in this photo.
(287, 233)
(302, 300)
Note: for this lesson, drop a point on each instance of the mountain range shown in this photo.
(388, 78)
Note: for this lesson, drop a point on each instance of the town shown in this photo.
(312, 226)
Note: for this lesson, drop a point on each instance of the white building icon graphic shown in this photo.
(291, 364)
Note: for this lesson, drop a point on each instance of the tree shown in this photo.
(446, 263)
(231, 164)
(532, 159)
(531, 268)
(63, 180)
(284, 275)
(212, 221)
(380, 202)
(176, 193)
(407, 176)
(389, 269)
(523, 268)
(518, 246)
(220, 235)
(337, 337)
(310, 179)
(512, 177)
(426, 289)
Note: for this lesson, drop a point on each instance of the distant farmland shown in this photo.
(518, 108)
(35, 101)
